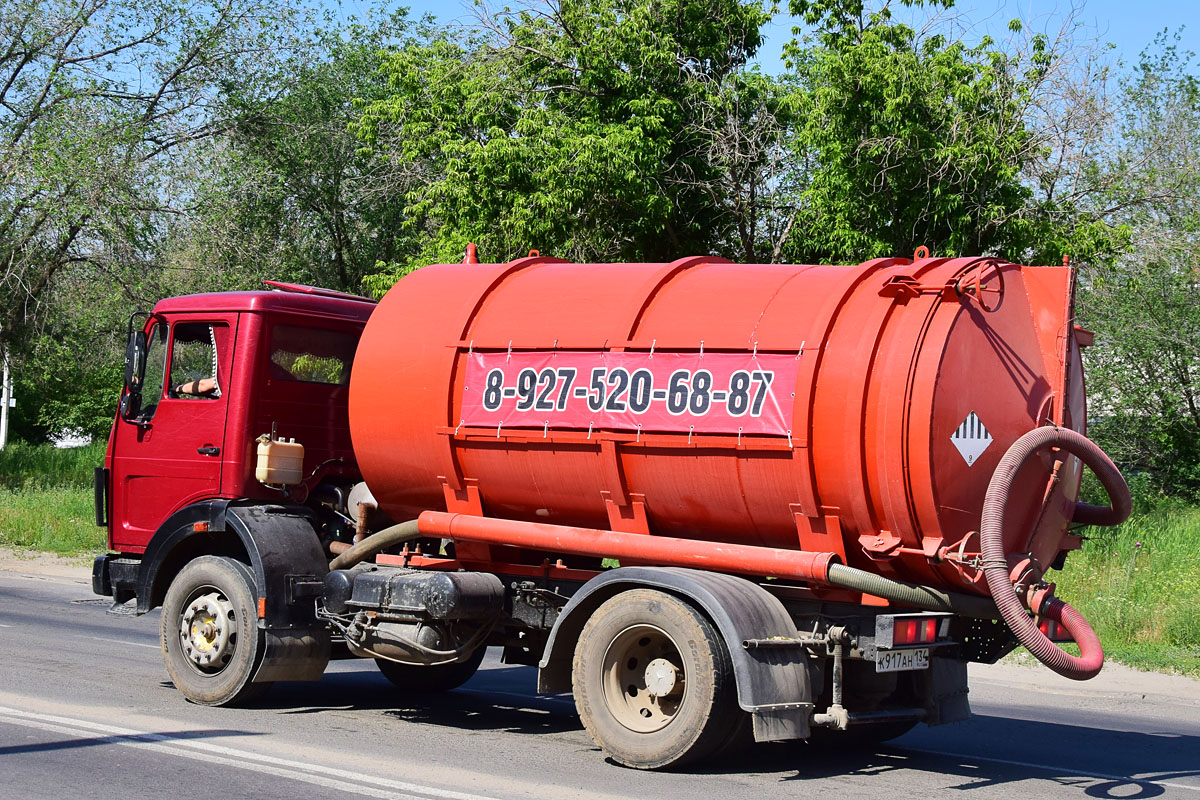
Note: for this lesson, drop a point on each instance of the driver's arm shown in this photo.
(201, 386)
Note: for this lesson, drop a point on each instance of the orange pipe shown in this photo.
(663, 551)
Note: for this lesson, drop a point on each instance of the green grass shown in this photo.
(22, 464)
(46, 499)
(53, 519)
(1139, 587)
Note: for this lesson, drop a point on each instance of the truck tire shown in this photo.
(436, 678)
(653, 682)
(211, 641)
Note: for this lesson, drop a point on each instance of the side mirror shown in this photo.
(135, 369)
(135, 362)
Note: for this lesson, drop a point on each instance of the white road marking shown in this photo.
(176, 745)
(1051, 768)
(5, 626)
(122, 641)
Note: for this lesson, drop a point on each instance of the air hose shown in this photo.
(376, 543)
(995, 563)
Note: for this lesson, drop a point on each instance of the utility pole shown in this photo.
(5, 399)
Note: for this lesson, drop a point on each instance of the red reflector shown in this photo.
(905, 631)
(199, 527)
(930, 632)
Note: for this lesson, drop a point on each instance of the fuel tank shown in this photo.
(858, 410)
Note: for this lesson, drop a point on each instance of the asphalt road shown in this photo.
(86, 711)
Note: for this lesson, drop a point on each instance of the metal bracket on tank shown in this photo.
(465, 500)
(905, 287)
(880, 545)
(629, 518)
(821, 533)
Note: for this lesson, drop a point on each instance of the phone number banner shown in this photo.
(664, 391)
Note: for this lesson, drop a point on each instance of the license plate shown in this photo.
(901, 660)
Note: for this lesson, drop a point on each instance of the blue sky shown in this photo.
(1130, 26)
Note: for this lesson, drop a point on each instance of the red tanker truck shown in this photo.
(716, 502)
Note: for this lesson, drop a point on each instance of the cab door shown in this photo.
(168, 454)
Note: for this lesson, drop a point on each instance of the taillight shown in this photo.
(914, 631)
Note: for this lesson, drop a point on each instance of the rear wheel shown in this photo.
(211, 642)
(653, 682)
(437, 678)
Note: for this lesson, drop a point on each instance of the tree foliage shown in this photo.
(156, 147)
(908, 139)
(69, 371)
(1145, 365)
(293, 196)
(103, 104)
(570, 126)
(95, 99)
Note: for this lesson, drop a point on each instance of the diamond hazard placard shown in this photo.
(971, 438)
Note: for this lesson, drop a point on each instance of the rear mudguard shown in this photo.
(773, 683)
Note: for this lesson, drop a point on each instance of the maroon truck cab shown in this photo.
(217, 372)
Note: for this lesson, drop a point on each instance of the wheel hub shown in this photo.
(644, 681)
(206, 631)
(662, 678)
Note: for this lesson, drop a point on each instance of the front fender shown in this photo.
(281, 547)
(278, 542)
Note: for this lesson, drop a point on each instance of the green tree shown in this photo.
(96, 97)
(905, 139)
(105, 106)
(293, 195)
(1144, 369)
(572, 127)
(70, 370)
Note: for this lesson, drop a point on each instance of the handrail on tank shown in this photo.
(823, 569)
(661, 550)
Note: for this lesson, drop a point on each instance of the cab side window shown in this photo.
(311, 355)
(195, 367)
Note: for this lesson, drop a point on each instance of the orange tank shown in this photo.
(855, 410)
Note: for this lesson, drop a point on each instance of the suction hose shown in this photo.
(376, 543)
(995, 562)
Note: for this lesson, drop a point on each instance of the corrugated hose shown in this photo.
(995, 562)
(376, 543)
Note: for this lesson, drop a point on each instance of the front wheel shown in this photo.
(653, 682)
(211, 642)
